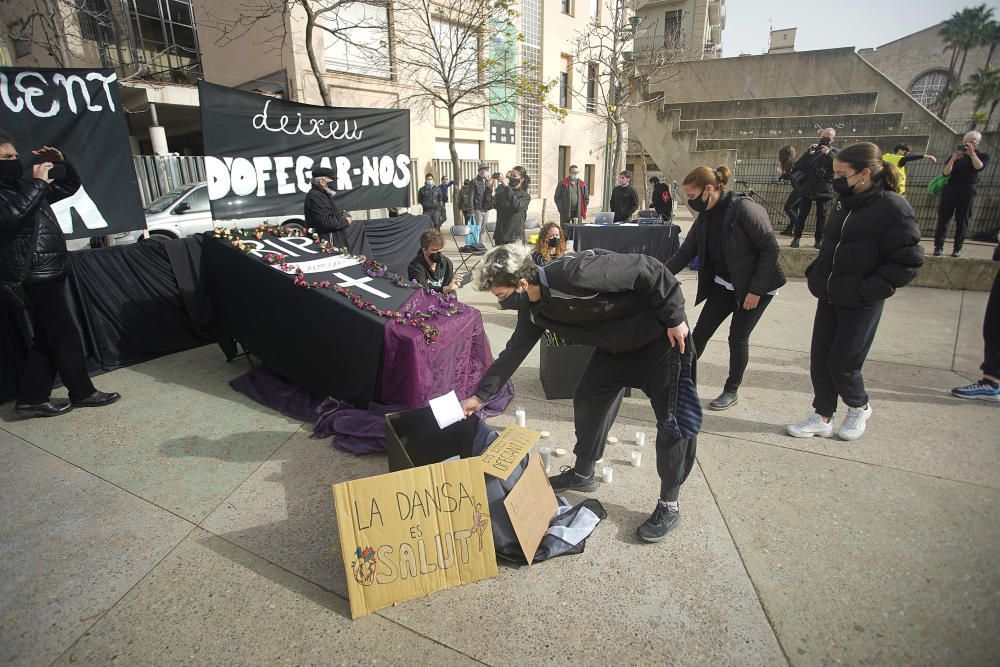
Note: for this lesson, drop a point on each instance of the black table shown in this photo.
(659, 241)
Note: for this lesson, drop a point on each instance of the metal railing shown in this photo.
(468, 169)
(158, 174)
(761, 175)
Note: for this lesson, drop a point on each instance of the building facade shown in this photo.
(692, 28)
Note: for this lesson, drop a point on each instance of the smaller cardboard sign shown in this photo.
(507, 451)
(531, 505)
(414, 532)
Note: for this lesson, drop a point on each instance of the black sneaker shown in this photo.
(725, 400)
(818, 245)
(658, 524)
(568, 480)
(794, 243)
(938, 252)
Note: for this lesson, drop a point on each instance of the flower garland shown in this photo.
(447, 305)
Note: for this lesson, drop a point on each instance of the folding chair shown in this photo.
(488, 230)
(460, 232)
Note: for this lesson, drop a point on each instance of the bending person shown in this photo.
(34, 265)
(738, 271)
(874, 249)
(631, 309)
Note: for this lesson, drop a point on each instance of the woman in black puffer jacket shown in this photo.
(738, 272)
(34, 264)
(870, 248)
(512, 203)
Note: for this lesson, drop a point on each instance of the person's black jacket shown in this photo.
(561, 198)
(481, 198)
(624, 202)
(512, 210)
(429, 197)
(818, 170)
(32, 244)
(325, 217)
(419, 270)
(663, 206)
(612, 301)
(871, 247)
(751, 251)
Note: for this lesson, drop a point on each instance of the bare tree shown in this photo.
(460, 57)
(620, 68)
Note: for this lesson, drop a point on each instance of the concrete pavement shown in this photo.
(188, 525)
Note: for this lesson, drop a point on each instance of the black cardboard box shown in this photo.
(561, 368)
(413, 439)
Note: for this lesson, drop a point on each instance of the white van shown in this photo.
(184, 211)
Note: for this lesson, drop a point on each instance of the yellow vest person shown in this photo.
(900, 156)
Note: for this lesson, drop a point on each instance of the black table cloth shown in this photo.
(659, 241)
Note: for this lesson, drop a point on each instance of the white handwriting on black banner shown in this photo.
(314, 126)
(34, 93)
(251, 176)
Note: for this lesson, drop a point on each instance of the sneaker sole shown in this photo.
(988, 399)
(590, 487)
(654, 540)
(810, 435)
(723, 407)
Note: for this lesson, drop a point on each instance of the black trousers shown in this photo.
(991, 331)
(721, 303)
(56, 348)
(435, 215)
(599, 395)
(841, 340)
(791, 209)
(956, 201)
(805, 206)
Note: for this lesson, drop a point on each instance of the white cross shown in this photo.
(359, 282)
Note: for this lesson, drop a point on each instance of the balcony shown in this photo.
(656, 42)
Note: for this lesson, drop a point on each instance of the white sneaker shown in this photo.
(813, 425)
(854, 423)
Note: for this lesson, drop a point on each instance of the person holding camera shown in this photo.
(512, 202)
(812, 176)
(34, 266)
(962, 169)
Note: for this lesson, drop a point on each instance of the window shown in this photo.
(567, 7)
(564, 161)
(672, 29)
(197, 200)
(362, 29)
(462, 42)
(592, 87)
(165, 39)
(566, 83)
(928, 86)
(588, 176)
(595, 11)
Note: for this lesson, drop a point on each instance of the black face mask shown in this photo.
(698, 205)
(554, 242)
(435, 257)
(11, 170)
(512, 182)
(514, 301)
(842, 187)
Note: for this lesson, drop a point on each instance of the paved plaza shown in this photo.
(188, 525)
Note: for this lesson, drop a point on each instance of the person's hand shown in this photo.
(968, 149)
(676, 336)
(49, 154)
(957, 155)
(825, 150)
(471, 405)
(41, 171)
(751, 301)
(930, 157)
(456, 282)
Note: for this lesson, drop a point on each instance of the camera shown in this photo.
(961, 147)
(57, 172)
(825, 141)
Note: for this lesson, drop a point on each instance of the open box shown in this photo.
(414, 439)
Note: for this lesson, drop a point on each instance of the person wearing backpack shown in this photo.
(738, 272)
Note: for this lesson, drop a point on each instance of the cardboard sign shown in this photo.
(413, 532)
(506, 452)
(531, 505)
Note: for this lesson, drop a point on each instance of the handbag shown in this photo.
(684, 413)
(937, 184)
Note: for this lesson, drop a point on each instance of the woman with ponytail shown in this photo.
(511, 201)
(871, 248)
(738, 271)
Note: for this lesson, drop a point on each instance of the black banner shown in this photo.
(259, 153)
(79, 112)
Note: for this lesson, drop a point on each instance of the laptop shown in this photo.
(604, 218)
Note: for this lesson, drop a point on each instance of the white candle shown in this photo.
(545, 453)
(636, 459)
(640, 438)
(608, 474)
(520, 416)
(612, 440)
(545, 434)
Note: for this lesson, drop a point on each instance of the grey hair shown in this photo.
(829, 129)
(972, 136)
(504, 266)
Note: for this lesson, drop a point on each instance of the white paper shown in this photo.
(447, 409)
(331, 263)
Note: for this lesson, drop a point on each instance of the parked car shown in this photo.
(184, 211)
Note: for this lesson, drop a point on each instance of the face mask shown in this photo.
(484, 175)
(429, 184)
(698, 205)
(825, 141)
(554, 242)
(623, 181)
(514, 301)
(573, 177)
(10, 170)
(435, 257)
(842, 187)
(512, 182)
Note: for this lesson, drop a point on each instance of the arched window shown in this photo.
(927, 86)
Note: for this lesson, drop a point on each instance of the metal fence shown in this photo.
(469, 169)
(762, 177)
(158, 174)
